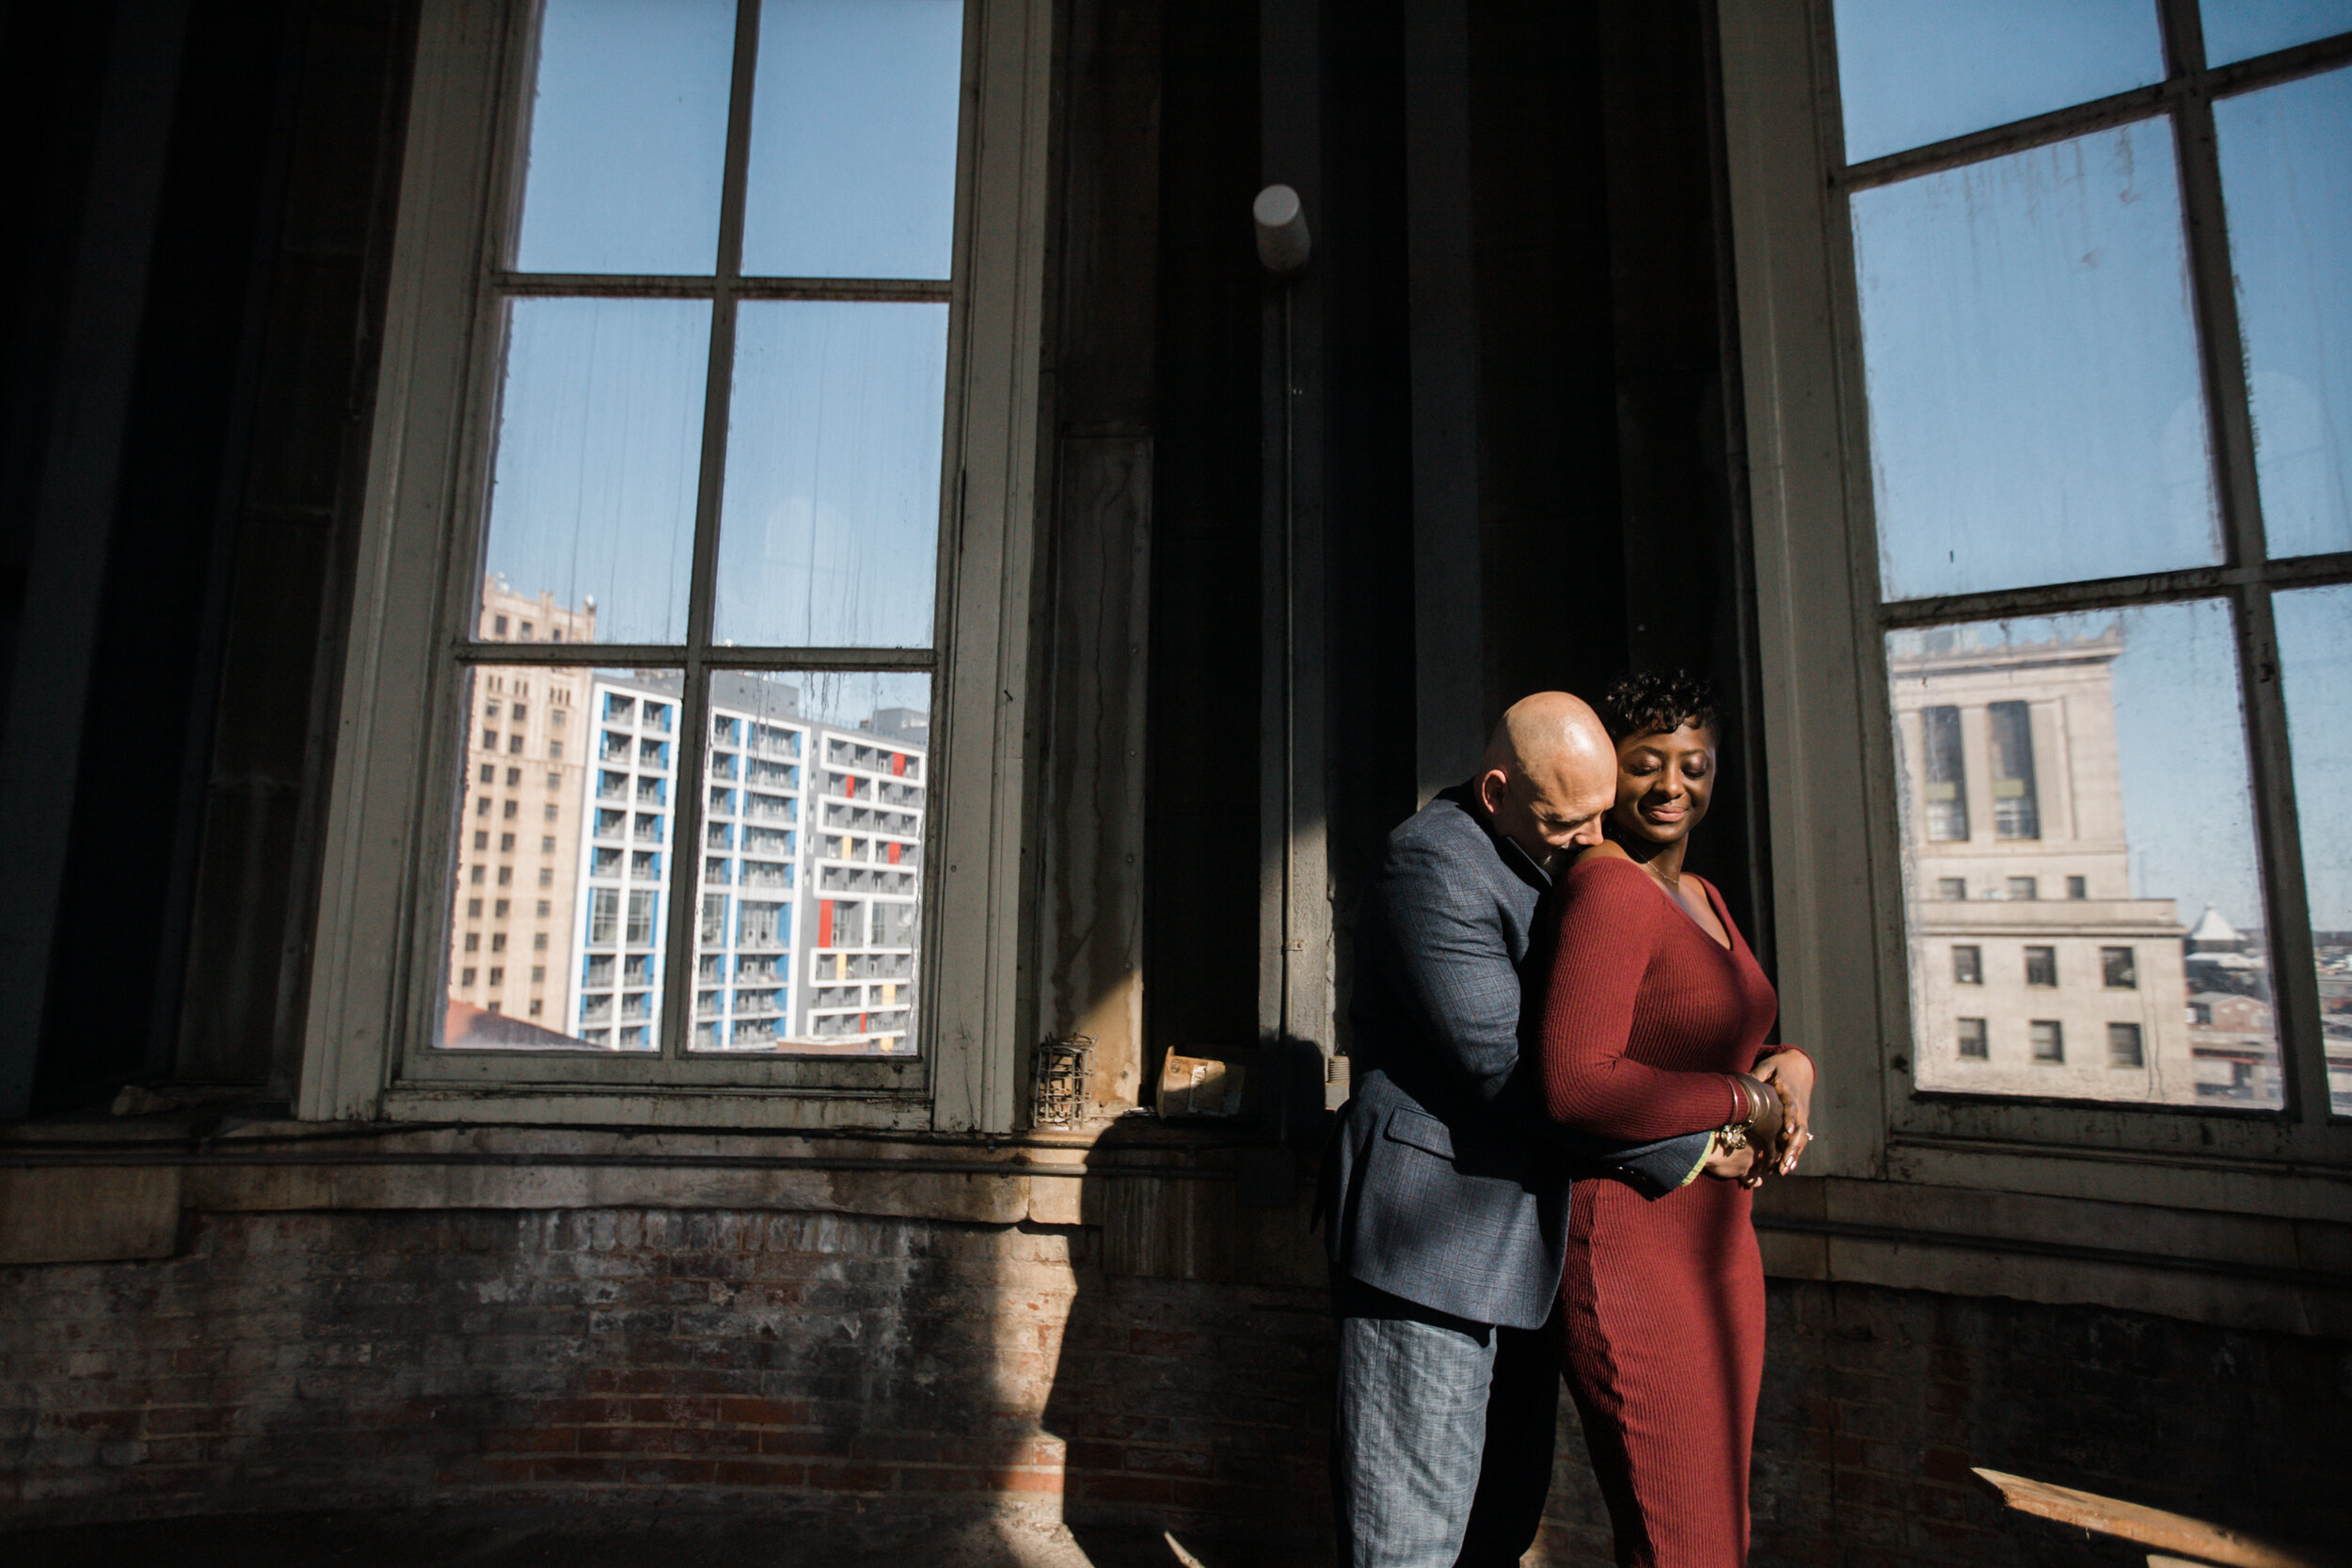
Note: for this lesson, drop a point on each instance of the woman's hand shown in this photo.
(1791, 1072)
(1736, 1164)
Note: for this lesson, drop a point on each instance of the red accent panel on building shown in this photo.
(824, 922)
(898, 763)
(894, 852)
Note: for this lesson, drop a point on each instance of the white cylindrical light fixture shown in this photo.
(1283, 243)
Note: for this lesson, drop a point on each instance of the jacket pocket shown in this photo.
(1420, 1131)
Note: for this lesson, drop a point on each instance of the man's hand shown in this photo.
(1791, 1072)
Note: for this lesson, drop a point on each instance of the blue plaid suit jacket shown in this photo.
(1444, 1182)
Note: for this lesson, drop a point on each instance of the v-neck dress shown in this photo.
(1644, 1016)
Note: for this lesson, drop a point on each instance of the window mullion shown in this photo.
(2293, 976)
(686, 857)
(2294, 970)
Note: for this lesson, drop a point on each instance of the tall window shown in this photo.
(709, 412)
(2015, 811)
(1946, 773)
(715, 461)
(2102, 276)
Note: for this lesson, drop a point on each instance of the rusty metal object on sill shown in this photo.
(1065, 1073)
(1200, 1086)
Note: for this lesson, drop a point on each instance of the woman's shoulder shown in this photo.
(1606, 873)
(1608, 852)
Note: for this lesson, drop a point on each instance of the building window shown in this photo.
(2025, 889)
(2049, 1040)
(1972, 1046)
(2123, 1045)
(2077, 887)
(473, 940)
(2119, 968)
(2015, 811)
(2041, 966)
(1968, 965)
(1947, 774)
(1952, 889)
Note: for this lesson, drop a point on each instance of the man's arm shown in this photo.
(1439, 938)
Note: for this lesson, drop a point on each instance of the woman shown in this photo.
(1653, 1020)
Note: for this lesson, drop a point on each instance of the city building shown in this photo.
(2034, 969)
(519, 837)
(805, 937)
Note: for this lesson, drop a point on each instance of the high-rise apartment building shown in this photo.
(808, 881)
(512, 913)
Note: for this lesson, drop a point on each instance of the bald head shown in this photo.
(1549, 774)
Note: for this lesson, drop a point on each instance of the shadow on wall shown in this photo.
(1191, 1378)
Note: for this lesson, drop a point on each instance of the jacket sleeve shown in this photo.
(1603, 928)
(1441, 936)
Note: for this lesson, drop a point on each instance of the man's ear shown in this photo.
(1494, 788)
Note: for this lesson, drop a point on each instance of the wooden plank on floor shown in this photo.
(2204, 1544)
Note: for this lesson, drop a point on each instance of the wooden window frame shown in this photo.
(384, 893)
(1837, 892)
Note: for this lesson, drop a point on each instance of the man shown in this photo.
(1446, 1191)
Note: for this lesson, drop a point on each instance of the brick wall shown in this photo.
(822, 1363)
(784, 1360)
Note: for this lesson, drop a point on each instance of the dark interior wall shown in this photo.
(175, 950)
(1368, 452)
(1613, 535)
(52, 62)
(1201, 937)
(121, 916)
(1553, 571)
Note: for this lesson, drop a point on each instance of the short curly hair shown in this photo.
(1656, 702)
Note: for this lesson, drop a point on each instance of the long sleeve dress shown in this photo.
(1645, 1017)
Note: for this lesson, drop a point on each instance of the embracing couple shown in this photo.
(1562, 1100)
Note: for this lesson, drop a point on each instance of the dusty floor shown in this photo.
(605, 1538)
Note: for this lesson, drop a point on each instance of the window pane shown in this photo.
(2036, 412)
(852, 168)
(829, 534)
(628, 135)
(812, 863)
(1914, 71)
(2286, 178)
(2136, 788)
(2240, 29)
(600, 440)
(2316, 653)
(560, 834)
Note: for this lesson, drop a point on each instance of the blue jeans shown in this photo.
(1441, 1441)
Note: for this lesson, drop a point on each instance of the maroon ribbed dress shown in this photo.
(1661, 1302)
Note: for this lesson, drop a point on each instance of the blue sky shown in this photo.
(832, 496)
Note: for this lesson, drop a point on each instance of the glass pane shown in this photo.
(852, 168)
(2240, 29)
(809, 933)
(561, 832)
(2286, 178)
(830, 533)
(2036, 412)
(1914, 71)
(629, 136)
(2315, 653)
(2092, 927)
(591, 512)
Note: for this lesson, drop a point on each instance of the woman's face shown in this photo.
(1664, 783)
